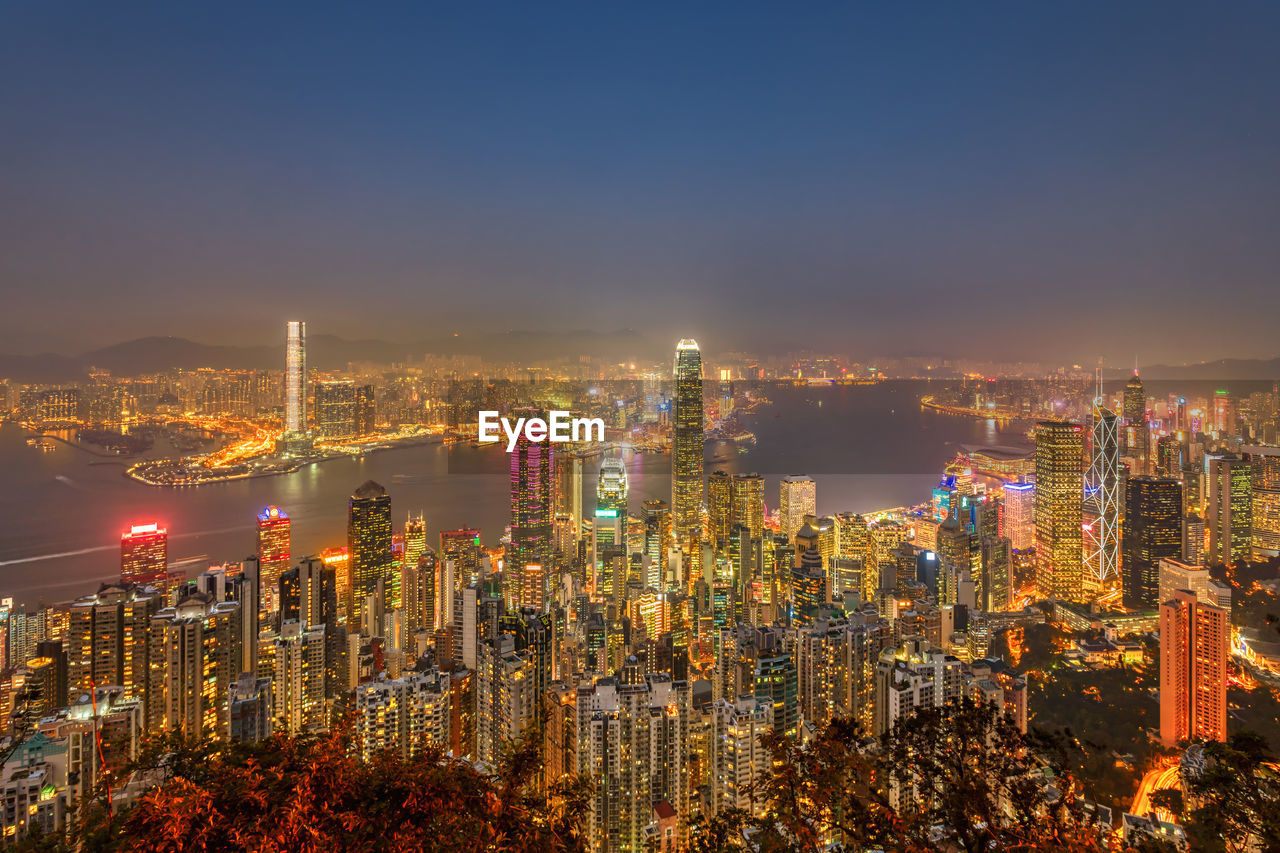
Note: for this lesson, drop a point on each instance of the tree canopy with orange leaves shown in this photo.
(314, 795)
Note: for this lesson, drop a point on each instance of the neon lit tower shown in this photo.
(144, 555)
(273, 552)
(687, 444)
(295, 378)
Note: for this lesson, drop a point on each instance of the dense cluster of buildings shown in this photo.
(648, 646)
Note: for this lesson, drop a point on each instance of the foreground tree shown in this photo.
(307, 795)
(961, 777)
(1232, 803)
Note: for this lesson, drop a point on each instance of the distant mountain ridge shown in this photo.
(324, 352)
(1223, 369)
(330, 352)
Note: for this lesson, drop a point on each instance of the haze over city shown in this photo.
(876, 179)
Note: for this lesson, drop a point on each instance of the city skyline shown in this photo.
(658, 429)
(478, 170)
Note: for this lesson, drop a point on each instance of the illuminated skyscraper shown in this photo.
(295, 379)
(719, 506)
(1136, 435)
(657, 540)
(199, 657)
(1193, 539)
(106, 640)
(747, 494)
(415, 539)
(297, 661)
(335, 408)
(1224, 413)
(144, 555)
(611, 503)
(532, 495)
(1059, 488)
(1264, 464)
(1194, 651)
(631, 747)
(1019, 516)
(687, 444)
(734, 500)
(1102, 493)
(1152, 532)
(569, 489)
(369, 544)
(273, 553)
(462, 546)
(1230, 508)
(797, 499)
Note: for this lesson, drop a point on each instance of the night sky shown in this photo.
(1020, 180)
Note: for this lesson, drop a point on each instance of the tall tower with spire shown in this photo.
(1102, 498)
(1136, 436)
(687, 444)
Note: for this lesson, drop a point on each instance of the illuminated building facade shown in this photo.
(297, 661)
(1019, 516)
(1176, 575)
(738, 759)
(404, 715)
(1193, 533)
(532, 503)
(719, 506)
(415, 539)
(734, 500)
(1136, 435)
(295, 379)
(198, 642)
(797, 498)
(1102, 493)
(611, 503)
(273, 553)
(657, 541)
(1195, 639)
(106, 639)
(1152, 532)
(1230, 508)
(462, 547)
(912, 676)
(1059, 488)
(569, 490)
(1224, 413)
(335, 409)
(687, 444)
(1264, 464)
(144, 555)
(369, 546)
(631, 747)
(747, 492)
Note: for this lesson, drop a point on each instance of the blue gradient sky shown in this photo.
(1013, 180)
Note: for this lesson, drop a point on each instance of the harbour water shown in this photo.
(62, 510)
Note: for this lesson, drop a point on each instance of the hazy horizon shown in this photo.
(1006, 182)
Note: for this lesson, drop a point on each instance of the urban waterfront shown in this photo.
(930, 496)
(868, 448)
